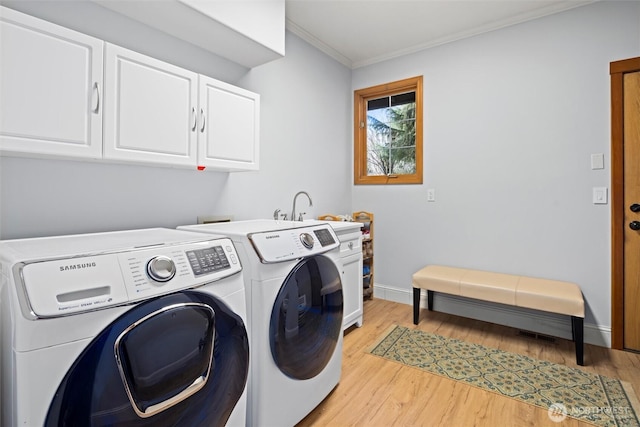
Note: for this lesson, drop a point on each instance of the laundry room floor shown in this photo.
(377, 392)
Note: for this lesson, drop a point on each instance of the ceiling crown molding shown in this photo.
(551, 9)
(316, 42)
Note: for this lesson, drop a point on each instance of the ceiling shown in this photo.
(363, 32)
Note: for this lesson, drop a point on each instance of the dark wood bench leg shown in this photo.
(577, 328)
(416, 306)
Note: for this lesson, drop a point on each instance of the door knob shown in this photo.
(634, 225)
(635, 207)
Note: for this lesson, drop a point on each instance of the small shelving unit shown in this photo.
(366, 218)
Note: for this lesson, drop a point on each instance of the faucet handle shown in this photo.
(300, 216)
(283, 216)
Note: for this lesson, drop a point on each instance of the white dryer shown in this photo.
(136, 328)
(292, 275)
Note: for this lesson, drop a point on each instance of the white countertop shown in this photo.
(340, 227)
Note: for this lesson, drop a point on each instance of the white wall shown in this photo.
(511, 119)
(305, 137)
(305, 145)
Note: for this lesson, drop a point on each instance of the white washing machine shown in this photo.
(136, 328)
(292, 275)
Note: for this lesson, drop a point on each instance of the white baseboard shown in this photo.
(530, 320)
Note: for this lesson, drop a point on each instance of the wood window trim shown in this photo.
(360, 133)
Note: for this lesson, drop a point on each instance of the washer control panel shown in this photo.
(294, 243)
(85, 283)
(209, 260)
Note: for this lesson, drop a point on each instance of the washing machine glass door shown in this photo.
(177, 360)
(306, 320)
(166, 356)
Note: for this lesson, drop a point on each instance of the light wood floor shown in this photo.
(376, 392)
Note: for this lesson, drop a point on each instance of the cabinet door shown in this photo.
(352, 290)
(229, 128)
(351, 257)
(50, 83)
(150, 110)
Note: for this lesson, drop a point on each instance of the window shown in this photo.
(388, 133)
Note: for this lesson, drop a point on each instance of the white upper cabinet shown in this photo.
(229, 130)
(150, 110)
(51, 81)
(159, 113)
(247, 32)
(53, 103)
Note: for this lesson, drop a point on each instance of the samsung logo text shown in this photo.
(77, 266)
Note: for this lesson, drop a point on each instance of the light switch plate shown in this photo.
(431, 195)
(597, 161)
(600, 195)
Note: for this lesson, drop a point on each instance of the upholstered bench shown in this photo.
(520, 291)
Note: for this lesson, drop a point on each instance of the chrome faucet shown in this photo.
(279, 216)
(293, 210)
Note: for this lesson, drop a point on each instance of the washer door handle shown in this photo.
(166, 404)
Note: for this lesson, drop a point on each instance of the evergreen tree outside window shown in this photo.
(388, 133)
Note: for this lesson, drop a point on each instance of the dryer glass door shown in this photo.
(306, 321)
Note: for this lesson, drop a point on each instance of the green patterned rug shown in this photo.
(562, 390)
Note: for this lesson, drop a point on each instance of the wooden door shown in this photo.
(150, 110)
(631, 85)
(625, 107)
(50, 88)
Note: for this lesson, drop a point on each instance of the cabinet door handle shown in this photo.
(202, 116)
(194, 118)
(96, 99)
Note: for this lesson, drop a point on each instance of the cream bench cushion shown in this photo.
(550, 295)
(520, 291)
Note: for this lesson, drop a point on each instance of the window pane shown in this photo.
(377, 155)
(391, 135)
(375, 104)
(403, 160)
(403, 98)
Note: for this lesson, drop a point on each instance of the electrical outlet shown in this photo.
(431, 195)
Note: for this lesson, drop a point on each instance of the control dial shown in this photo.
(161, 269)
(307, 240)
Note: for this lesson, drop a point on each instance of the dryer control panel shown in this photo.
(57, 287)
(290, 244)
